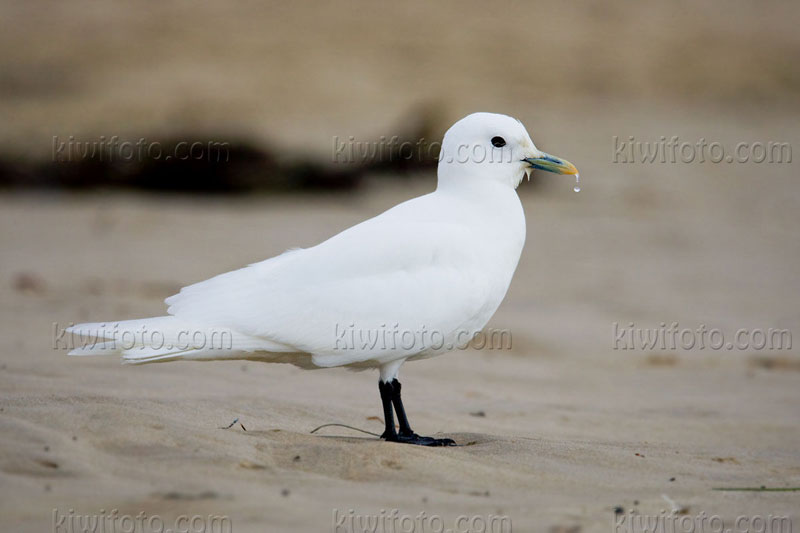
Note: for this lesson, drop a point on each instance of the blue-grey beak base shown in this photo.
(551, 163)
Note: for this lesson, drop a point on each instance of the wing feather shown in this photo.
(385, 273)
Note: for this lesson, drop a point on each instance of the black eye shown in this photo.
(498, 142)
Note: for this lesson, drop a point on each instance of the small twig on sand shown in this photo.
(762, 488)
(344, 426)
(231, 424)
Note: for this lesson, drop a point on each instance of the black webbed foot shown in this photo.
(413, 438)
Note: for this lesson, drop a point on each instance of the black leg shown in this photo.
(390, 432)
(402, 419)
(390, 396)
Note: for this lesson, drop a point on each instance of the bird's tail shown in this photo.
(165, 338)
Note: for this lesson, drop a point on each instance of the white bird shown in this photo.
(413, 282)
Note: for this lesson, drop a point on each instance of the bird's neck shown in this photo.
(477, 186)
(490, 205)
(479, 177)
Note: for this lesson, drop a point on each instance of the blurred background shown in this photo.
(280, 82)
(270, 90)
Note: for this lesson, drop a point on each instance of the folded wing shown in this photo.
(411, 275)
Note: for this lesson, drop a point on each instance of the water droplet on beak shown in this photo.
(577, 187)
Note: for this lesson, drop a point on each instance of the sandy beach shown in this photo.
(558, 431)
(576, 428)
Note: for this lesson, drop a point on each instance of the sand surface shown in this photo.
(571, 429)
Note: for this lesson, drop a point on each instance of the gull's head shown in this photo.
(493, 147)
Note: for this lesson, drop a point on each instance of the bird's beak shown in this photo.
(551, 163)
